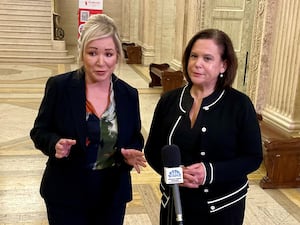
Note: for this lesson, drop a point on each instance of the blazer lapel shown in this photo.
(76, 93)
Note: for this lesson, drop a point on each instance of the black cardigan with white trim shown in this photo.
(229, 142)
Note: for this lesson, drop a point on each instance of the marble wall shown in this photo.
(163, 27)
(274, 64)
(282, 102)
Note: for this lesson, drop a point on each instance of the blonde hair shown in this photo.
(99, 26)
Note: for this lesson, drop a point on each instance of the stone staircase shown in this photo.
(26, 33)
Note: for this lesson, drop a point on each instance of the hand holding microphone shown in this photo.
(173, 175)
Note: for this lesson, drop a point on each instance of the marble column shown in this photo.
(130, 15)
(192, 20)
(146, 29)
(165, 35)
(125, 28)
(261, 50)
(188, 22)
(282, 106)
(178, 39)
(164, 26)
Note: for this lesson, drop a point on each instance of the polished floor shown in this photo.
(21, 166)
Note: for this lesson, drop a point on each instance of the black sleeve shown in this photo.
(249, 148)
(155, 139)
(42, 133)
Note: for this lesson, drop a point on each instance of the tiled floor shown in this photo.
(21, 166)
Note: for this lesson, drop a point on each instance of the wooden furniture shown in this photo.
(132, 53)
(163, 75)
(281, 158)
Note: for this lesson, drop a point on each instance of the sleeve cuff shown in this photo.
(209, 173)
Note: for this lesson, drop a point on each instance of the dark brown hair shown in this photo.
(227, 54)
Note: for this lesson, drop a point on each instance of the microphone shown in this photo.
(173, 175)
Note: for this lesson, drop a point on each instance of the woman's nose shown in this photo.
(100, 60)
(199, 62)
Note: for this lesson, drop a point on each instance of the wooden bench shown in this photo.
(281, 157)
(163, 75)
(132, 53)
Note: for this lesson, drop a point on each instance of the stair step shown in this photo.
(26, 2)
(26, 40)
(26, 34)
(33, 44)
(37, 46)
(46, 17)
(25, 28)
(32, 53)
(26, 12)
(29, 22)
(41, 59)
(25, 6)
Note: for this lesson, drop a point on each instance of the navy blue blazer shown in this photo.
(62, 114)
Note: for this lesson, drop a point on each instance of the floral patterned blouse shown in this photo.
(101, 135)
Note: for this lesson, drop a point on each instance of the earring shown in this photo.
(221, 75)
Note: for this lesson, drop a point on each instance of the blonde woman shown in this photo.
(89, 127)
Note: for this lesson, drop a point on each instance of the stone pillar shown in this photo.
(261, 51)
(178, 39)
(134, 20)
(130, 14)
(165, 30)
(147, 30)
(125, 28)
(282, 106)
(191, 18)
(188, 22)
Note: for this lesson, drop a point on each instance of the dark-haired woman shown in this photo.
(216, 129)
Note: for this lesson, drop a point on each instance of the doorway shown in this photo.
(235, 17)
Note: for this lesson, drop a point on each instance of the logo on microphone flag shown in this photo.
(173, 175)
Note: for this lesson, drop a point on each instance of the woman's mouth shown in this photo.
(197, 74)
(100, 72)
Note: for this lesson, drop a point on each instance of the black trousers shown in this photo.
(59, 214)
(197, 213)
(100, 207)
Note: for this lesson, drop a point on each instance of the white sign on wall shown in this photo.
(91, 4)
(86, 9)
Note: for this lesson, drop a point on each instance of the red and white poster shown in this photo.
(86, 9)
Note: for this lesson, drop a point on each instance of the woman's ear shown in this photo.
(224, 66)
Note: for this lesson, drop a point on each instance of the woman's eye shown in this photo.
(206, 58)
(108, 54)
(92, 53)
(193, 56)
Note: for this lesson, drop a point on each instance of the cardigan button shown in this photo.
(203, 129)
(212, 207)
(202, 153)
(205, 190)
